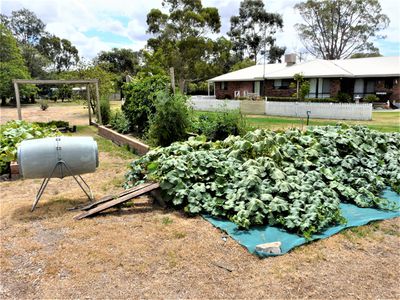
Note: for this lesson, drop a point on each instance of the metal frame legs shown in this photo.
(45, 181)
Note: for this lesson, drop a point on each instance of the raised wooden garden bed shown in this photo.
(123, 140)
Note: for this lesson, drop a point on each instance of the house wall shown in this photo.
(272, 92)
(232, 86)
(396, 91)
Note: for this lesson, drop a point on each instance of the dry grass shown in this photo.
(148, 252)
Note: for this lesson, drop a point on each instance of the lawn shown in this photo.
(382, 121)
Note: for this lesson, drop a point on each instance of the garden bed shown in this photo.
(122, 140)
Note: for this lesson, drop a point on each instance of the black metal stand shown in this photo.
(45, 181)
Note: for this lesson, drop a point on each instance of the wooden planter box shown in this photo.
(123, 140)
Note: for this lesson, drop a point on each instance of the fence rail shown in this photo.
(340, 111)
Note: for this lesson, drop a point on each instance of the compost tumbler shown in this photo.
(58, 157)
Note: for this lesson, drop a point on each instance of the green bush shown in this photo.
(371, 98)
(119, 122)
(171, 120)
(105, 110)
(218, 126)
(13, 133)
(343, 98)
(55, 123)
(139, 106)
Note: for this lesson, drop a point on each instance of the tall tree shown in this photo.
(26, 26)
(253, 30)
(180, 34)
(12, 64)
(119, 61)
(337, 29)
(60, 52)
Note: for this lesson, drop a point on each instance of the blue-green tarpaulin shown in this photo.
(355, 216)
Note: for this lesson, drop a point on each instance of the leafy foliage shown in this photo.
(180, 36)
(218, 126)
(12, 64)
(291, 179)
(139, 104)
(119, 122)
(13, 133)
(253, 29)
(337, 29)
(171, 119)
(105, 110)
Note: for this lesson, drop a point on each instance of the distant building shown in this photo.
(357, 77)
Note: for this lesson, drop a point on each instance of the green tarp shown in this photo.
(354, 215)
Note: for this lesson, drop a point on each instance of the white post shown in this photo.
(208, 88)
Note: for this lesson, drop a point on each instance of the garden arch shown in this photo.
(87, 82)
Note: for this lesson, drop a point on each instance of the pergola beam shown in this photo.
(52, 81)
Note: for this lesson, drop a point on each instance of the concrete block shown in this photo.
(274, 247)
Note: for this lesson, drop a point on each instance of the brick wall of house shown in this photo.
(271, 92)
(231, 87)
(335, 87)
(396, 90)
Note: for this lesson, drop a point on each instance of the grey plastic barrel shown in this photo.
(38, 157)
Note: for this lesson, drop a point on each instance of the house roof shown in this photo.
(357, 67)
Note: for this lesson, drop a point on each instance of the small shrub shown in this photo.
(218, 126)
(105, 110)
(44, 105)
(171, 120)
(119, 122)
(343, 97)
(371, 98)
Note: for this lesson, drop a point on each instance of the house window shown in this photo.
(389, 83)
(369, 86)
(224, 85)
(281, 84)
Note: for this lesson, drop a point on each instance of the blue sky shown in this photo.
(96, 25)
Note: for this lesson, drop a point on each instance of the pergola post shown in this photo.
(98, 103)
(17, 100)
(88, 101)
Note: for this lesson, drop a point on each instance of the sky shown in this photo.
(99, 25)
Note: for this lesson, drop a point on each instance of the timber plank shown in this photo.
(111, 197)
(117, 201)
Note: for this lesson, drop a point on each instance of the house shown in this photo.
(357, 77)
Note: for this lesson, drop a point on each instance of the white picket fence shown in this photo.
(339, 111)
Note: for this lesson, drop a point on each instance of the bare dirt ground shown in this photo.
(71, 112)
(154, 253)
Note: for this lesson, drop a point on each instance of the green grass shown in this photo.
(382, 121)
(103, 144)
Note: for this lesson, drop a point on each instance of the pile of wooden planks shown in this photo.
(115, 200)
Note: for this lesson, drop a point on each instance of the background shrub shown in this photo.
(343, 98)
(105, 110)
(140, 95)
(171, 120)
(218, 126)
(371, 98)
(119, 122)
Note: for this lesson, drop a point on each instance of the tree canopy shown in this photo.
(12, 63)
(335, 29)
(180, 35)
(253, 30)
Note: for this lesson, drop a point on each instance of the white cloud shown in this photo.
(121, 19)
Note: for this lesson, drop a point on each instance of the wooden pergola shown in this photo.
(87, 82)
